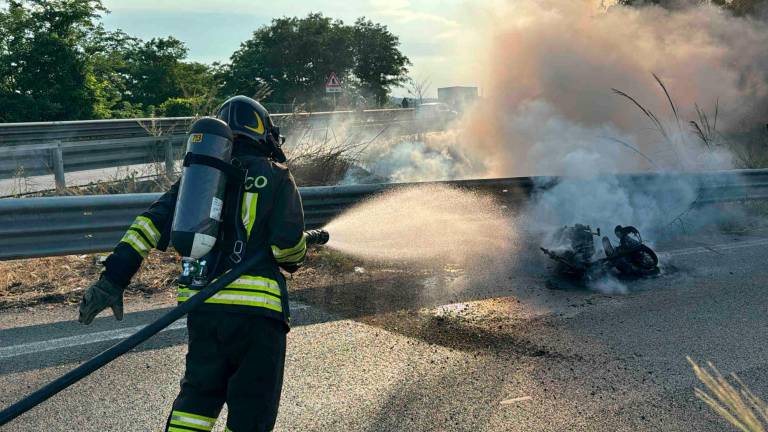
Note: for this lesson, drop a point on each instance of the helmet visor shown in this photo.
(243, 120)
(248, 119)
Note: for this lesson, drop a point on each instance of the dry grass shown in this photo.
(28, 282)
(62, 279)
(748, 147)
(749, 150)
(752, 151)
(323, 156)
(736, 404)
(670, 138)
(52, 279)
(131, 182)
(319, 157)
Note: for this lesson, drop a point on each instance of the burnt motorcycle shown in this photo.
(576, 256)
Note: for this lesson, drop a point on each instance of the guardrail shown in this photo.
(36, 227)
(31, 149)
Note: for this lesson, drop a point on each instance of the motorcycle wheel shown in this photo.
(641, 262)
(644, 258)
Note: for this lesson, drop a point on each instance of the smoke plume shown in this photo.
(549, 68)
(552, 65)
(550, 109)
(432, 156)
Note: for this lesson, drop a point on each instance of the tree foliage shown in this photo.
(295, 56)
(44, 73)
(379, 64)
(57, 62)
(152, 69)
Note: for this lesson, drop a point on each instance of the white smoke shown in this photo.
(609, 285)
(548, 68)
(549, 110)
(433, 156)
(560, 60)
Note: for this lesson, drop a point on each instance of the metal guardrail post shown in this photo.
(58, 167)
(170, 161)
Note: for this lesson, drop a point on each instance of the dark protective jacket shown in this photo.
(273, 221)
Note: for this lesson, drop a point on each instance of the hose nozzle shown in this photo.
(317, 237)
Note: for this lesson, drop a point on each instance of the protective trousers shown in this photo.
(233, 358)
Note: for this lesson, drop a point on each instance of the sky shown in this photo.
(213, 30)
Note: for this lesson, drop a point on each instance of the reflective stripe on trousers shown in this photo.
(184, 422)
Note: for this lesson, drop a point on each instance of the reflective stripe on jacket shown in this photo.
(251, 291)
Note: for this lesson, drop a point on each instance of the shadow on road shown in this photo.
(371, 301)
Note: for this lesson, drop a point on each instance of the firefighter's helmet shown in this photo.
(248, 118)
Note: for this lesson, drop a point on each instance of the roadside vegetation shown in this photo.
(692, 145)
(735, 403)
(62, 279)
(57, 280)
(103, 74)
(320, 157)
(695, 142)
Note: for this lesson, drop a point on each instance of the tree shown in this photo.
(106, 51)
(134, 76)
(743, 7)
(44, 73)
(195, 79)
(200, 84)
(57, 62)
(293, 56)
(379, 64)
(152, 68)
(180, 107)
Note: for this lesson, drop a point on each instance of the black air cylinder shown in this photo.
(200, 202)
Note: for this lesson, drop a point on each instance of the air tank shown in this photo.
(200, 200)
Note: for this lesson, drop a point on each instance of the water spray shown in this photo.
(427, 224)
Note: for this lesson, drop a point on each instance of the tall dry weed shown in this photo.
(735, 403)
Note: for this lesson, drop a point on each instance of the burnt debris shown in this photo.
(576, 255)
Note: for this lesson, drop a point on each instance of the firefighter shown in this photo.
(237, 338)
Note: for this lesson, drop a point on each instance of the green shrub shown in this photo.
(180, 107)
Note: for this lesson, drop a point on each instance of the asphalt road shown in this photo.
(410, 356)
(13, 186)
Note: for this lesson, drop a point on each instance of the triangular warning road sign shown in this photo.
(333, 81)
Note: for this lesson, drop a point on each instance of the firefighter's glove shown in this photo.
(99, 296)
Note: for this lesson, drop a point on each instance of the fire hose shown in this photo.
(317, 237)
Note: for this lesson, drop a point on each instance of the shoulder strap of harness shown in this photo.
(235, 191)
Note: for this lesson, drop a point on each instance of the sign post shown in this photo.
(333, 85)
